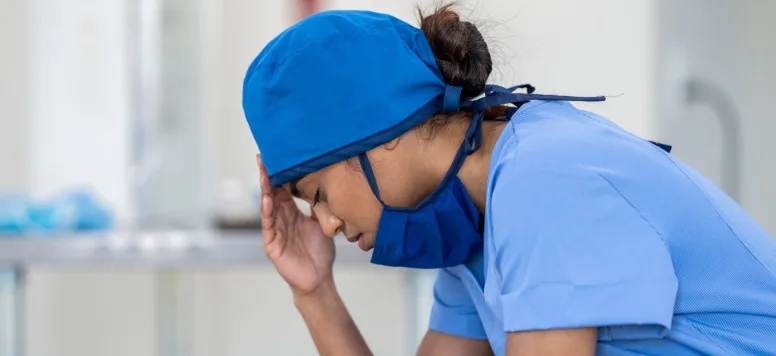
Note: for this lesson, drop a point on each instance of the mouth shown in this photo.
(358, 239)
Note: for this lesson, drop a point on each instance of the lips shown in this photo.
(354, 238)
(358, 239)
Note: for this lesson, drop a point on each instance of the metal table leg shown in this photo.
(11, 311)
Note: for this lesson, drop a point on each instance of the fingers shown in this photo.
(267, 206)
(268, 212)
(274, 208)
(266, 186)
(283, 195)
(280, 195)
(268, 231)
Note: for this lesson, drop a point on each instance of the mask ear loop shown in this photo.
(370, 175)
(450, 103)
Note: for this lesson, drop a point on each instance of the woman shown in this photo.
(555, 232)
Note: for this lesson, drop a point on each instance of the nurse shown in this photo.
(553, 230)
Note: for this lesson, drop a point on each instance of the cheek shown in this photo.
(397, 189)
(351, 199)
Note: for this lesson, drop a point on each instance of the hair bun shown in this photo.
(460, 50)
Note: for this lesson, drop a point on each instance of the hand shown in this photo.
(294, 242)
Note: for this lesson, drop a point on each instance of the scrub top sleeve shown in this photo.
(571, 252)
(453, 311)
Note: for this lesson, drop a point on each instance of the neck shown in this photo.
(474, 172)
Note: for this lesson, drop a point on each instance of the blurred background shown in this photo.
(127, 176)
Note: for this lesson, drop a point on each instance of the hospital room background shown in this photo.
(128, 186)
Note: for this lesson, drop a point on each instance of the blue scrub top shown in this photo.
(590, 226)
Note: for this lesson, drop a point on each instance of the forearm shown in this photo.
(440, 344)
(331, 326)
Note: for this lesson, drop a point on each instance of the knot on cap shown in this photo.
(452, 99)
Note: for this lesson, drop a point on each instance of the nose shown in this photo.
(330, 223)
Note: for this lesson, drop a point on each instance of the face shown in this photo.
(342, 201)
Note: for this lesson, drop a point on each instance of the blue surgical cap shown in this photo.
(337, 84)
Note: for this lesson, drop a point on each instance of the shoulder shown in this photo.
(547, 143)
(548, 130)
(551, 145)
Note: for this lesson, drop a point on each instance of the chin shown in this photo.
(369, 243)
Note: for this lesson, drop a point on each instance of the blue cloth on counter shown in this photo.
(71, 211)
(590, 226)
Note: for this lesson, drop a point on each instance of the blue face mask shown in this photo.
(443, 230)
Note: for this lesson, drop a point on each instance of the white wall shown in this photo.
(729, 46)
(79, 100)
(603, 47)
(247, 27)
(85, 313)
(234, 313)
(13, 94)
(756, 104)
(250, 312)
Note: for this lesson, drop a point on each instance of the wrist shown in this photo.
(331, 326)
(324, 294)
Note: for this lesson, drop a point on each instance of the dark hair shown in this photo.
(463, 59)
(460, 50)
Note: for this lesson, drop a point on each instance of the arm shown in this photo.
(440, 344)
(557, 342)
(331, 327)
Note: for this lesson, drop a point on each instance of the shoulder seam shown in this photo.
(518, 116)
(635, 209)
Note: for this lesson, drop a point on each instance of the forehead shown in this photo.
(334, 174)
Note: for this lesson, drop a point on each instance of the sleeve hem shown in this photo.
(466, 326)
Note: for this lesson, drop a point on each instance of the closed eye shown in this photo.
(317, 196)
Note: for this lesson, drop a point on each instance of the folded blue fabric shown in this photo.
(72, 211)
